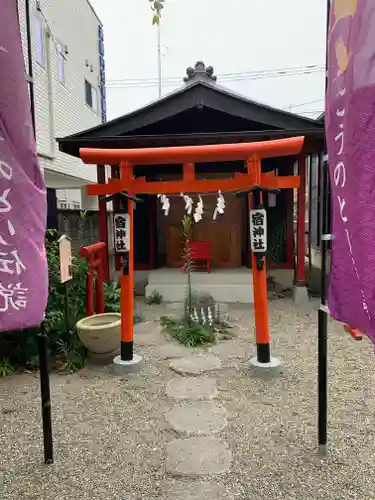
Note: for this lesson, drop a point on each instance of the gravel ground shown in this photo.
(110, 433)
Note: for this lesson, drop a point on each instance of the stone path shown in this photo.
(196, 491)
(196, 365)
(192, 388)
(196, 457)
(113, 440)
(196, 418)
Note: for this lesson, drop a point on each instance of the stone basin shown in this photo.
(101, 333)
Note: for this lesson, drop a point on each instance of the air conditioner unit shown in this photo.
(63, 204)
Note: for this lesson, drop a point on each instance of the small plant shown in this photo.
(188, 265)
(112, 295)
(155, 298)
(189, 335)
(72, 352)
(138, 318)
(6, 368)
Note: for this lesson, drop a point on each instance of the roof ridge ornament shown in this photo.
(200, 72)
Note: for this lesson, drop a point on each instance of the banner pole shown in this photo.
(45, 395)
(323, 310)
(323, 319)
(42, 336)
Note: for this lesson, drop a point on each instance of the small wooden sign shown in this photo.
(258, 230)
(121, 232)
(65, 253)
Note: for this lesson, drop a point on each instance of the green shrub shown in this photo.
(20, 348)
(138, 318)
(155, 298)
(6, 368)
(191, 335)
(112, 295)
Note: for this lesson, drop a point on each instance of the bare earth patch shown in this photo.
(111, 434)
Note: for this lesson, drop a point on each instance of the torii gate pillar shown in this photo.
(300, 292)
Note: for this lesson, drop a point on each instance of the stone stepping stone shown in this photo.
(229, 350)
(197, 457)
(172, 351)
(198, 418)
(196, 491)
(195, 365)
(192, 388)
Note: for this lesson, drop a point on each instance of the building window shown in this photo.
(39, 40)
(76, 205)
(60, 63)
(91, 96)
(64, 205)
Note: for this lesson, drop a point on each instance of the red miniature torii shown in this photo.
(252, 153)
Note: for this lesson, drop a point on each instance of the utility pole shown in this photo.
(159, 61)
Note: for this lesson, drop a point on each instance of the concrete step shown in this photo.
(216, 277)
(223, 292)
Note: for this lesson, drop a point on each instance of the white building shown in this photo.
(69, 79)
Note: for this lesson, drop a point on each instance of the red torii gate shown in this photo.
(254, 180)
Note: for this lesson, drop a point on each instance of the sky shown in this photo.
(239, 38)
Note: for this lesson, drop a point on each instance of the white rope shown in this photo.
(198, 214)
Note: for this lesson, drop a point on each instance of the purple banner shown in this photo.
(350, 126)
(23, 265)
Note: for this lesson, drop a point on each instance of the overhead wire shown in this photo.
(304, 103)
(225, 77)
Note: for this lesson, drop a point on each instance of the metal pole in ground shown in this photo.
(42, 337)
(159, 61)
(45, 395)
(323, 310)
(323, 318)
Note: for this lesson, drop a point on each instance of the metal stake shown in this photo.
(66, 306)
(323, 318)
(323, 311)
(45, 395)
